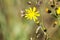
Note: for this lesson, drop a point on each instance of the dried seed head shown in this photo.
(22, 13)
(38, 3)
(38, 35)
(31, 38)
(29, 2)
(38, 29)
(55, 23)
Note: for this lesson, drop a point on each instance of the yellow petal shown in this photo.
(58, 11)
(37, 14)
(30, 18)
(30, 9)
(34, 9)
(27, 11)
(58, 7)
(26, 16)
(32, 14)
(34, 18)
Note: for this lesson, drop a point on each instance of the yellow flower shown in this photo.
(32, 14)
(58, 10)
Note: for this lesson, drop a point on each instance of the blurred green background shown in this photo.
(14, 27)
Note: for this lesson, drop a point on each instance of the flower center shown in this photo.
(32, 14)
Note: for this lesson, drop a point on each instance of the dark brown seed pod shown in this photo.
(52, 6)
(54, 25)
(58, 0)
(49, 11)
(45, 30)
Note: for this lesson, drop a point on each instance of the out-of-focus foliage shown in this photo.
(15, 27)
